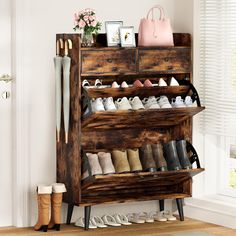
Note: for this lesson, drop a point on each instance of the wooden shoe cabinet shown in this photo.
(125, 129)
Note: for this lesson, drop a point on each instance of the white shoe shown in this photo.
(115, 85)
(85, 84)
(135, 218)
(80, 223)
(173, 82)
(159, 216)
(96, 220)
(178, 102)
(110, 220)
(136, 103)
(168, 215)
(162, 82)
(189, 102)
(109, 104)
(148, 217)
(150, 103)
(123, 104)
(124, 85)
(122, 219)
(97, 105)
(163, 102)
(98, 83)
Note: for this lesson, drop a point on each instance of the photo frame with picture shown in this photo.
(127, 36)
(113, 32)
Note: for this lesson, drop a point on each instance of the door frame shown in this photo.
(20, 119)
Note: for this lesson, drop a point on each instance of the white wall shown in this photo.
(5, 116)
(40, 21)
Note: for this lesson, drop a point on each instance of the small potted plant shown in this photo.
(87, 23)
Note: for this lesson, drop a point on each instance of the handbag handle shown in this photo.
(162, 14)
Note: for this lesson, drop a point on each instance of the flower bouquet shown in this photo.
(86, 22)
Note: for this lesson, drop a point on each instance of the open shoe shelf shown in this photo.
(151, 118)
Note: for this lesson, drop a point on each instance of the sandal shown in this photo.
(122, 219)
(80, 223)
(169, 216)
(98, 222)
(148, 217)
(158, 216)
(135, 218)
(110, 220)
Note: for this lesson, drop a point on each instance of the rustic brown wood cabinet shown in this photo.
(125, 129)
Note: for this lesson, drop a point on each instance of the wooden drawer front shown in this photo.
(108, 62)
(176, 60)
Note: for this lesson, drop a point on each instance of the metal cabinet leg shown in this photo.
(87, 211)
(69, 213)
(179, 202)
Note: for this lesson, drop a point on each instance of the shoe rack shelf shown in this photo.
(96, 183)
(125, 129)
(152, 118)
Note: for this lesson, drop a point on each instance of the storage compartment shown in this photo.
(165, 60)
(108, 62)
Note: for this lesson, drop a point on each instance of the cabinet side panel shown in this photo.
(68, 155)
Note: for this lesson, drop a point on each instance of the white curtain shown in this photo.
(218, 66)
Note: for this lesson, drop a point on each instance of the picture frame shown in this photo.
(127, 36)
(113, 32)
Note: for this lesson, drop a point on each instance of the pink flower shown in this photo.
(92, 18)
(94, 23)
(86, 18)
(81, 24)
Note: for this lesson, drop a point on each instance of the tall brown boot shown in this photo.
(44, 199)
(58, 190)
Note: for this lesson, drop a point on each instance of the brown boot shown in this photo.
(120, 160)
(44, 199)
(157, 151)
(58, 190)
(134, 161)
(146, 158)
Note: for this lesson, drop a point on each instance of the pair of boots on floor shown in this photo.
(49, 195)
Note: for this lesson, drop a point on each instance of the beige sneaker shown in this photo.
(123, 104)
(136, 103)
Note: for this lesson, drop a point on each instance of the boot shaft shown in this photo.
(120, 161)
(146, 157)
(134, 161)
(158, 156)
(183, 155)
(171, 155)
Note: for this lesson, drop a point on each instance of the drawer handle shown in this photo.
(109, 60)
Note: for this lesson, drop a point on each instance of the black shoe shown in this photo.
(146, 158)
(183, 155)
(171, 156)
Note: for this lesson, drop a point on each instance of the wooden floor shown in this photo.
(187, 228)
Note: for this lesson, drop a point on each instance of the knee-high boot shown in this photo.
(44, 199)
(56, 202)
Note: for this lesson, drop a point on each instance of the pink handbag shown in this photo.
(155, 32)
